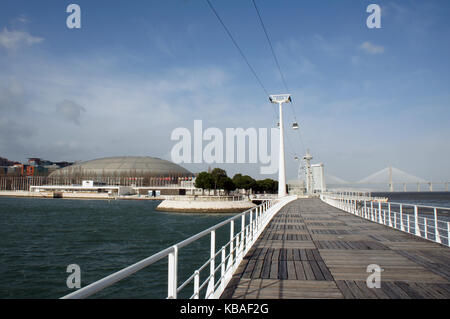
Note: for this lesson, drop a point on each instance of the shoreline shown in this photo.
(166, 205)
(50, 195)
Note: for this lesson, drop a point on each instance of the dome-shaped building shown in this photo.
(125, 170)
(128, 165)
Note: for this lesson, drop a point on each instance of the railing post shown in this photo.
(251, 225)
(402, 226)
(379, 212)
(230, 260)
(196, 285)
(364, 211)
(395, 220)
(260, 212)
(409, 223)
(242, 234)
(210, 290)
(172, 282)
(389, 213)
(371, 210)
(416, 220)
(425, 227)
(255, 223)
(436, 228)
(222, 270)
(448, 233)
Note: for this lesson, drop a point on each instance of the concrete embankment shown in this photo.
(198, 206)
(25, 194)
(55, 195)
(69, 195)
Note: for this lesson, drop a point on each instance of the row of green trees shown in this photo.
(218, 179)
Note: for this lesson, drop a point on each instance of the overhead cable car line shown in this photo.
(240, 50)
(271, 46)
(279, 70)
(245, 59)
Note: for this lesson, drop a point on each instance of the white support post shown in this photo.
(223, 270)
(172, 281)
(416, 220)
(371, 210)
(389, 214)
(402, 226)
(436, 228)
(260, 217)
(425, 227)
(281, 163)
(379, 212)
(231, 259)
(212, 266)
(255, 225)
(448, 233)
(196, 285)
(251, 225)
(241, 249)
(365, 209)
(395, 220)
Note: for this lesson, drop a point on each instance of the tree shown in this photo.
(244, 182)
(217, 174)
(204, 180)
(267, 185)
(226, 184)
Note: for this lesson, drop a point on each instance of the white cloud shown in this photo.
(12, 40)
(70, 110)
(92, 108)
(371, 48)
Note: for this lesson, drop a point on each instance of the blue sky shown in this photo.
(136, 70)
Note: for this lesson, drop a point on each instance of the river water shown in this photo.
(41, 237)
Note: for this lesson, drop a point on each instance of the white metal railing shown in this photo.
(422, 221)
(253, 222)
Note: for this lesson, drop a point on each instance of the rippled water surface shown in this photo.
(41, 237)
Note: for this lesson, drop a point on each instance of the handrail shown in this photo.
(383, 213)
(419, 205)
(117, 276)
(238, 245)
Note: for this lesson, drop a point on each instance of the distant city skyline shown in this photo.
(364, 98)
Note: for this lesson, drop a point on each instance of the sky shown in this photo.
(137, 70)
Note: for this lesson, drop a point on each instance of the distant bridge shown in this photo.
(389, 176)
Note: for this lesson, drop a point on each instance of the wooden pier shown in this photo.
(313, 250)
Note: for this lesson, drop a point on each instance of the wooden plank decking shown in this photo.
(313, 250)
